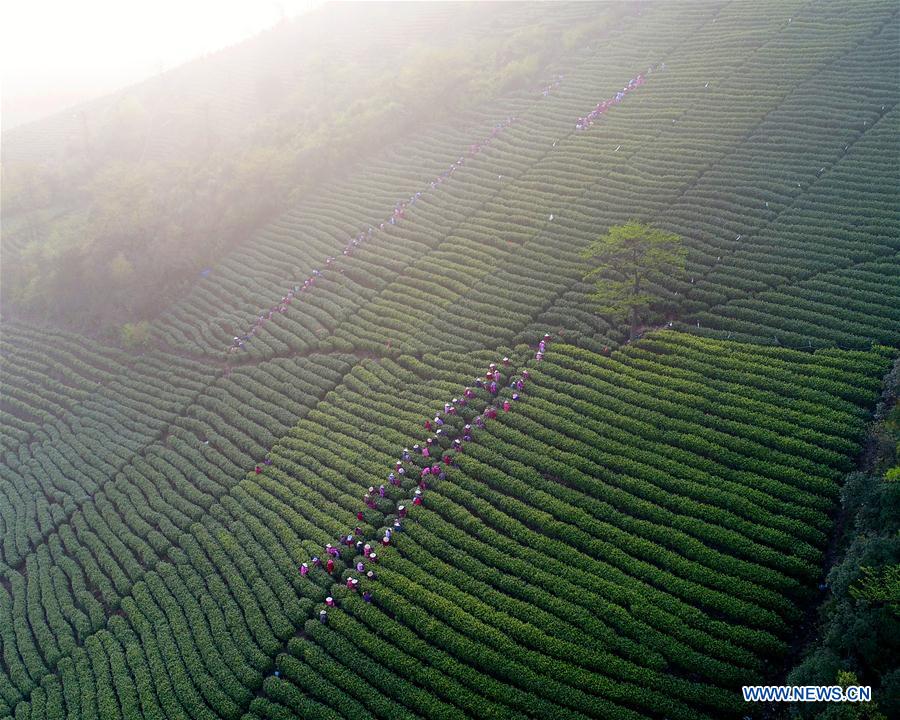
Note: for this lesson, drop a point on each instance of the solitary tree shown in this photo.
(624, 258)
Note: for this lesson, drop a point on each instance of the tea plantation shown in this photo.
(618, 530)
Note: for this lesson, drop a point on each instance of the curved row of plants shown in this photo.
(108, 411)
(73, 566)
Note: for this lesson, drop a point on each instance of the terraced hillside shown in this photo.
(688, 148)
(633, 533)
(631, 539)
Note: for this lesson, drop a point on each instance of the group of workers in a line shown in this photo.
(458, 419)
(555, 83)
(397, 214)
(583, 123)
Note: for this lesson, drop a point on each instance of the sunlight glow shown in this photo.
(54, 53)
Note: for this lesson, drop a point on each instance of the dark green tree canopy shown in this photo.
(624, 258)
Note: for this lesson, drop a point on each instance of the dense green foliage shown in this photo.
(859, 627)
(623, 259)
(639, 535)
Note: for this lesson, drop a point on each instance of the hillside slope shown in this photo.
(636, 536)
(113, 208)
(629, 540)
(713, 124)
